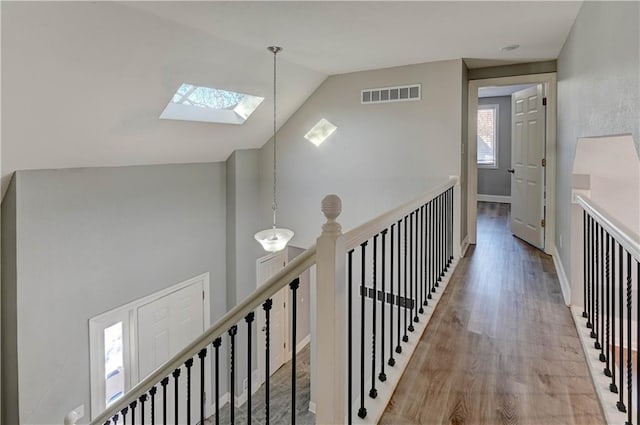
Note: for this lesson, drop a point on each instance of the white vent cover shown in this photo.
(391, 94)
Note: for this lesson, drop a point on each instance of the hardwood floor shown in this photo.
(501, 347)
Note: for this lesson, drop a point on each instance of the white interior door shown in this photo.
(278, 328)
(527, 153)
(166, 326)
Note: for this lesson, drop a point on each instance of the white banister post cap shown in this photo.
(331, 207)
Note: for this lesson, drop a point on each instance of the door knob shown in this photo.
(511, 170)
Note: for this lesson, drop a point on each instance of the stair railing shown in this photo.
(611, 267)
(413, 248)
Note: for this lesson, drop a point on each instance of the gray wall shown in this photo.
(380, 156)
(9, 309)
(89, 240)
(598, 92)
(497, 181)
(243, 195)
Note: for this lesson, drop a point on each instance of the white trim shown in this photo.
(306, 340)
(629, 240)
(494, 198)
(549, 82)
(562, 276)
(464, 245)
(312, 407)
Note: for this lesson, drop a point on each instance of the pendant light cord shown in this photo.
(275, 204)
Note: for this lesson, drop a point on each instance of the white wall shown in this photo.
(89, 240)
(381, 154)
(598, 93)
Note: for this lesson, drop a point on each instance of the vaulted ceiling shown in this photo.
(83, 84)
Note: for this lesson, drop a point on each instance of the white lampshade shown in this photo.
(275, 239)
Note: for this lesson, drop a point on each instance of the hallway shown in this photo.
(501, 347)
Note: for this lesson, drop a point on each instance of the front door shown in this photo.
(278, 328)
(166, 326)
(527, 172)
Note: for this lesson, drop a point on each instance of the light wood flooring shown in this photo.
(501, 347)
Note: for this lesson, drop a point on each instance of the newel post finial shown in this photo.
(331, 208)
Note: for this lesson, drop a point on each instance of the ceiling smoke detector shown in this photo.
(509, 48)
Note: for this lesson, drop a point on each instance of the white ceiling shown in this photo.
(83, 83)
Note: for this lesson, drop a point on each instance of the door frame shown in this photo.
(260, 319)
(128, 315)
(549, 83)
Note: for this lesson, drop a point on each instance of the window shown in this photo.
(488, 136)
(195, 103)
(320, 132)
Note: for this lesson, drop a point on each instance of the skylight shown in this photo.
(320, 132)
(196, 103)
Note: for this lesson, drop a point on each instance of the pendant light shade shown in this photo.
(274, 239)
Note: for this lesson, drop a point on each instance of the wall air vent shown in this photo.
(391, 94)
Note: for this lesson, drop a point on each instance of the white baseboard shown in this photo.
(562, 276)
(312, 407)
(464, 246)
(494, 198)
(303, 343)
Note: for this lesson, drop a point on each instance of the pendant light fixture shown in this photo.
(274, 239)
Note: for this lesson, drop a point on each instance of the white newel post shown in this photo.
(330, 326)
(457, 220)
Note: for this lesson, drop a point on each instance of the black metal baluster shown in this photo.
(164, 384)
(268, 304)
(216, 350)
(350, 337)
(373, 393)
(629, 365)
(233, 331)
(419, 257)
(415, 302)
(392, 361)
(249, 319)
(584, 265)
(590, 273)
(442, 242)
(152, 393)
(425, 247)
(202, 354)
(432, 287)
(411, 270)
(612, 386)
(124, 412)
(115, 419)
(294, 319)
(450, 231)
(133, 406)
(382, 376)
(620, 403)
(405, 337)
(594, 330)
(188, 365)
(398, 298)
(602, 296)
(143, 399)
(176, 375)
(439, 224)
(607, 370)
(362, 412)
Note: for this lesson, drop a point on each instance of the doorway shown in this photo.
(129, 342)
(278, 317)
(524, 174)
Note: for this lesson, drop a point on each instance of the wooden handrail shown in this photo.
(366, 231)
(278, 281)
(621, 233)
